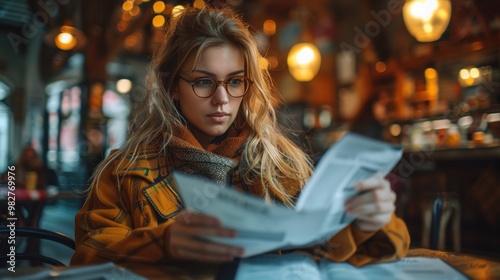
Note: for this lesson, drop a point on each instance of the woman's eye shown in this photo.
(235, 81)
(203, 82)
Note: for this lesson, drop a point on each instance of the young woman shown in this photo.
(209, 110)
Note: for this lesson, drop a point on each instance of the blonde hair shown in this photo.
(268, 157)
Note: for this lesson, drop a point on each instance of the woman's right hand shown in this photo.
(185, 240)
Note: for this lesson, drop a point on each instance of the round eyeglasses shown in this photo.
(205, 87)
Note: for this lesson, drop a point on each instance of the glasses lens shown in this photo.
(204, 87)
(237, 86)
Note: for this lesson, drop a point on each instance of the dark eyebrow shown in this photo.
(213, 75)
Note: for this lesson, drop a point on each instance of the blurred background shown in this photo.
(422, 73)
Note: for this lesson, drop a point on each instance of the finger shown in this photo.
(182, 247)
(193, 218)
(374, 182)
(372, 202)
(375, 218)
(369, 197)
(381, 219)
(367, 210)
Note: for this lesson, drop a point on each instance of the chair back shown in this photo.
(7, 233)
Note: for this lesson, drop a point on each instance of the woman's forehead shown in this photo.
(224, 56)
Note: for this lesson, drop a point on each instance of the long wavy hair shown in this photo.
(268, 158)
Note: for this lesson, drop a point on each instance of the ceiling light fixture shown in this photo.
(66, 38)
(304, 60)
(426, 20)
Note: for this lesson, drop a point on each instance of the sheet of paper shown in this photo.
(351, 159)
(299, 266)
(414, 268)
(104, 271)
(278, 267)
(348, 161)
(260, 227)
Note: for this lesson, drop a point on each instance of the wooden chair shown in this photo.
(35, 258)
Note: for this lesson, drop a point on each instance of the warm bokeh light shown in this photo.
(123, 85)
(269, 27)
(127, 6)
(470, 76)
(395, 130)
(474, 73)
(431, 83)
(121, 26)
(426, 20)
(159, 7)
(273, 61)
(65, 41)
(430, 73)
(131, 41)
(126, 16)
(158, 21)
(464, 74)
(200, 4)
(423, 9)
(380, 67)
(304, 60)
(135, 11)
(65, 38)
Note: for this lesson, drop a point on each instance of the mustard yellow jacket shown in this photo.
(129, 224)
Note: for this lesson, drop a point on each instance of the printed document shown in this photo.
(319, 213)
(299, 266)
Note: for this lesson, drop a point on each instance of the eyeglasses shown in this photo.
(205, 87)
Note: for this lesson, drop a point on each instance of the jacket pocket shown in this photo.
(163, 198)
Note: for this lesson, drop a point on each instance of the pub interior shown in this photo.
(71, 71)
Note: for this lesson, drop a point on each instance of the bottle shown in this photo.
(454, 138)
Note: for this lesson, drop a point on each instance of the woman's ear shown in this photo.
(175, 95)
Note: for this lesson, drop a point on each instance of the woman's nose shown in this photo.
(221, 96)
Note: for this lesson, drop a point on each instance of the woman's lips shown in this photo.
(219, 117)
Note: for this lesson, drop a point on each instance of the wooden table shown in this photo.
(474, 268)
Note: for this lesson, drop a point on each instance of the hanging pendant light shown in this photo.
(304, 60)
(426, 20)
(66, 38)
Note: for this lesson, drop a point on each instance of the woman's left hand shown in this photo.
(373, 205)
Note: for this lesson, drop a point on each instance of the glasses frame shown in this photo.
(218, 83)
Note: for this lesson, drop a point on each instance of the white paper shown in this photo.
(278, 267)
(260, 227)
(319, 213)
(104, 271)
(414, 268)
(351, 159)
(301, 266)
